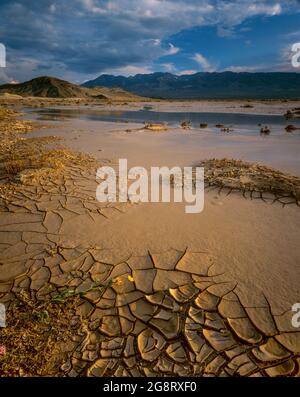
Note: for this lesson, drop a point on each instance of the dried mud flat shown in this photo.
(78, 311)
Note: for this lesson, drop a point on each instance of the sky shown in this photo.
(79, 40)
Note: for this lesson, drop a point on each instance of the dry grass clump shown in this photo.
(155, 127)
(244, 176)
(10, 125)
(36, 337)
(28, 160)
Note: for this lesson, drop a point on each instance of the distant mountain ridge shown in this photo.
(45, 86)
(224, 85)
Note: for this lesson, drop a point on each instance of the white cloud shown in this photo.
(265, 9)
(172, 50)
(169, 67)
(245, 68)
(203, 63)
(115, 34)
(187, 72)
(129, 70)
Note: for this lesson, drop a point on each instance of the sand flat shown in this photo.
(232, 269)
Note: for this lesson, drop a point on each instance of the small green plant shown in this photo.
(69, 293)
(42, 316)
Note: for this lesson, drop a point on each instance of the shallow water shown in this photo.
(249, 124)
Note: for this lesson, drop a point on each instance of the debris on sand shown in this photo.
(290, 128)
(155, 127)
(288, 114)
(186, 124)
(203, 125)
(226, 129)
(265, 130)
(252, 178)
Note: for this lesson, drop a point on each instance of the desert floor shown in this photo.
(153, 290)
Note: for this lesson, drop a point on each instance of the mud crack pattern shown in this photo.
(163, 313)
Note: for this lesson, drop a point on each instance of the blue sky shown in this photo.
(81, 39)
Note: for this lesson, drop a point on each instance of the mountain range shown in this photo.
(225, 85)
(51, 87)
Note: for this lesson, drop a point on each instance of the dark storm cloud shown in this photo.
(86, 37)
